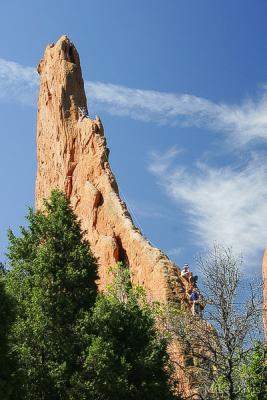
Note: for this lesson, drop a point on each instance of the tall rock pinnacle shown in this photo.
(72, 156)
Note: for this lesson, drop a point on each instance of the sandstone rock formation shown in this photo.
(264, 311)
(72, 155)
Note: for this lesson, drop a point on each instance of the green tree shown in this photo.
(236, 318)
(254, 374)
(6, 363)
(52, 280)
(219, 344)
(125, 357)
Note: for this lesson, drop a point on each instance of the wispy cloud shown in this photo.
(18, 84)
(175, 252)
(242, 122)
(226, 204)
(222, 204)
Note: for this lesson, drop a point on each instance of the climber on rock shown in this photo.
(185, 273)
(193, 281)
(194, 299)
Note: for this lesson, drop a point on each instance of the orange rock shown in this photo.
(72, 155)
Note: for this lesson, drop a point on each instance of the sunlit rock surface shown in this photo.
(72, 155)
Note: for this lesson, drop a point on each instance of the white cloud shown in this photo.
(222, 204)
(174, 252)
(18, 84)
(163, 161)
(243, 122)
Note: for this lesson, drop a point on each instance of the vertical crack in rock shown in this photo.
(72, 156)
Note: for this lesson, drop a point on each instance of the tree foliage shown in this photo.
(68, 342)
(220, 344)
(254, 374)
(126, 357)
(52, 280)
(7, 365)
(234, 313)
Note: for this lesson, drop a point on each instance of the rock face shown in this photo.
(72, 155)
(264, 311)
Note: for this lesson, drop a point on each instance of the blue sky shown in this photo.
(180, 86)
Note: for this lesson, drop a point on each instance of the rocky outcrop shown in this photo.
(264, 308)
(72, 155)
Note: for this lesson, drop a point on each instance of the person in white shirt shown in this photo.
(185, 273)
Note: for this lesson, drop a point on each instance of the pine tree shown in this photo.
(125, 356)
(68, 342)
(7, 366)
(52, 280)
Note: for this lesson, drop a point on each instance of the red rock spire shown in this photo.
(72, 156)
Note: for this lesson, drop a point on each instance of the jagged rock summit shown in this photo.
(72, 155)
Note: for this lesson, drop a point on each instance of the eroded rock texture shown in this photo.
(72, 155)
